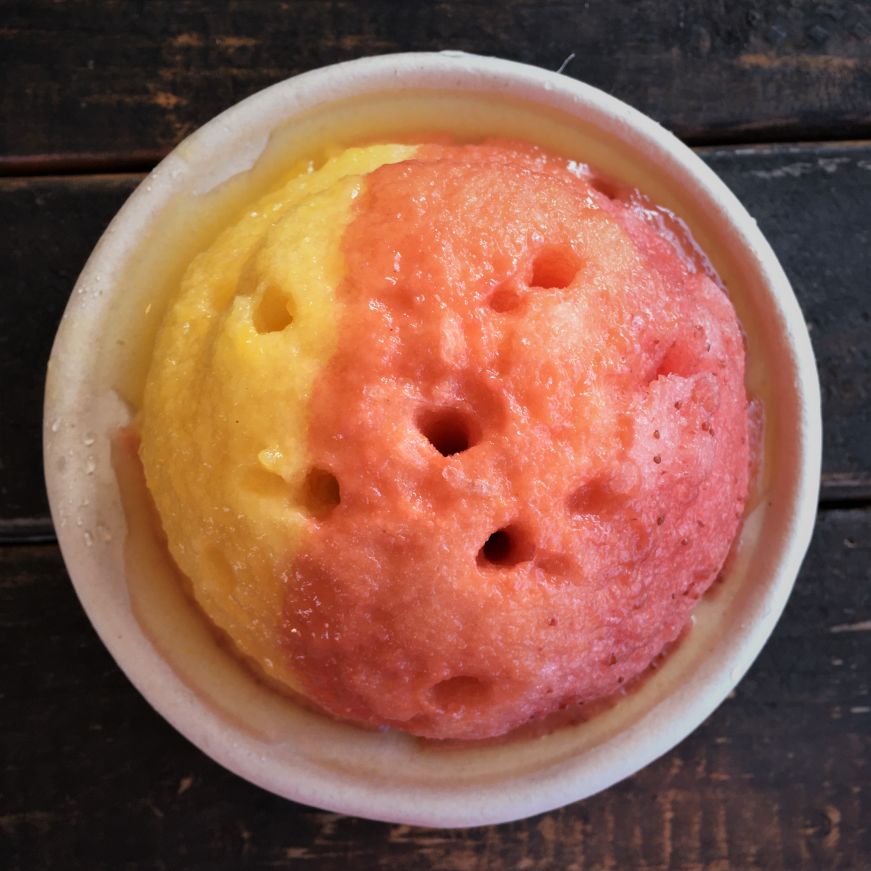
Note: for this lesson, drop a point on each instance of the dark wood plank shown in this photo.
(50, 226)
(812, 202)
(89, 82)
(777, 778)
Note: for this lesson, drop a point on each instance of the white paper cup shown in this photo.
(204, 692)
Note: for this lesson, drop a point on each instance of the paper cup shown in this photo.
(158, 638)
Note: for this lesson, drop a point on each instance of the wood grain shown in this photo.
(808, 201)
(777, 778)
(91, 83)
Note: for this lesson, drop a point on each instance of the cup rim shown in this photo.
(667, 725)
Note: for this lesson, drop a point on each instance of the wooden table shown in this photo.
(777, 99)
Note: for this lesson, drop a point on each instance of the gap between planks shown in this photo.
(142, 162)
